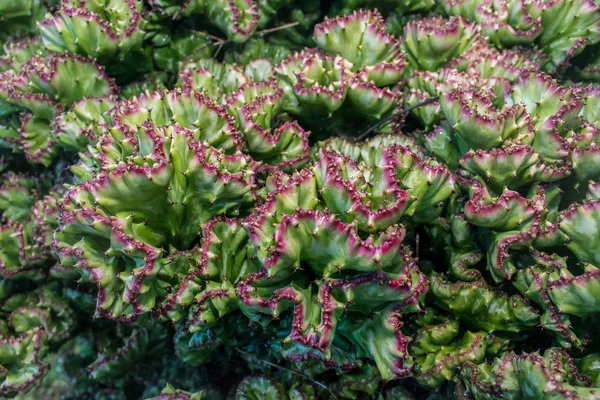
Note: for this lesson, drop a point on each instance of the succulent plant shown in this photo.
(510, 23)
(31, 322)
(265, 281)
(579, 27)
(176, 175)
(354, 78)
(171, 393)
(505, 23)
(552, 374)
(440, 350)
(108, 31)
(83, 124)
(297, 200)
(260, 387)
(21, 365)
(40, 90)
(236, 18)
(19, 18)
(29, 217)
(431, 43)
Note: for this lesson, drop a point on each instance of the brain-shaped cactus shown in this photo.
(292, 200)
(104, 32)
(39, 90)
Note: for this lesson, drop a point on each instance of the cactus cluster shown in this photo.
(267, 199)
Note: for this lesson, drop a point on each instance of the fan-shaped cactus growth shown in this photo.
(355, 199)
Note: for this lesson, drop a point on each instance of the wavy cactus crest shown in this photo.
(221, 201)
(23, 366)
(19, 17)
(261, 387)
(31, 322)
(361, 39)
(171, 393)
(557, 112)
(18, 51)
(246, 122)
(423, 85)
(315, 79)
(19, 256)
(217, 80)
(510, 221)
(368, 150)
(106, 32)
(397, 183)
(489, 62)
(431, 43)
(560, 294)
(480, 307)
(84, 123)
(578, 26)
(560, 29)
(481, 71)
(42, 89)
(553, 374)
(295, 254)
(527, 135)
(505, 23)
(18, 193)
(229, 83)
(238, 19)
(182, 179)
(439, 350)
(24, 235)
(319, 86)
(572, 228)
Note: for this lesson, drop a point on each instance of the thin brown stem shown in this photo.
(392, 117)
(277, 28)
(270, 364)
(417, 246)
(220, 42)
(218, 50)
(213, 37)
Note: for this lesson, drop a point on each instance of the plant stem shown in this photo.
(392, 117)
(277, 28)
(270, 364)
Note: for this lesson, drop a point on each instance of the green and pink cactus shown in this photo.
(269, 199)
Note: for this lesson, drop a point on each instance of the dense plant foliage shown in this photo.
(278, 199)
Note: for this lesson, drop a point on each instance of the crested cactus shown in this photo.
(83, 124)
(170, 392)
(560, 29)
(439, 351)
(28, 220)
(238, 19)
(176, 176)
(354, 75)
(264, 278)
(579, 27)
(505, 23)
(530, 375)
(260, 387)
(31, 323)
(41, 89)
(20, 364)
(18, 18)
(299, 199)
(480, 307)
(245, 122)
(431, 43)
(560, 294)
(107, 32)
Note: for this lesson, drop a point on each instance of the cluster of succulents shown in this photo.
(269, 199)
